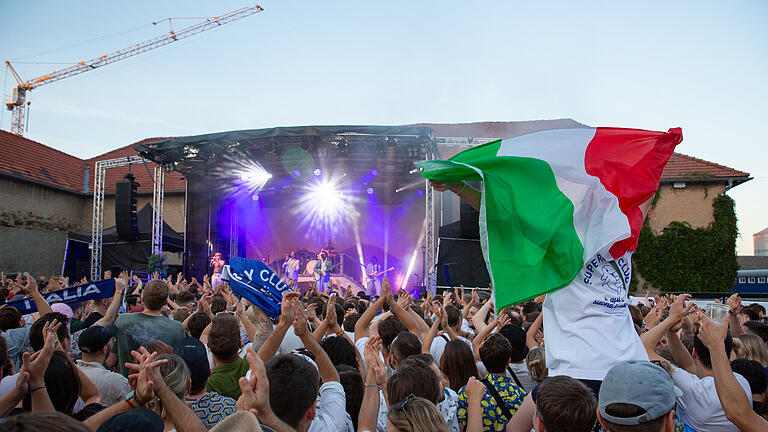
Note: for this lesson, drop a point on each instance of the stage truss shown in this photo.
(97, 223)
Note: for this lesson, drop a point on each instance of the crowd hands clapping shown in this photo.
(172, 354)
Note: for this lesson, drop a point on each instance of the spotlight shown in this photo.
(374, 172)
(244, 176)
(369, 191)
(420, 192)
(297, 173)
(255, 197)
(317, 171)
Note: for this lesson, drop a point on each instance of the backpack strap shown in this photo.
(445, 338)
(497, 397)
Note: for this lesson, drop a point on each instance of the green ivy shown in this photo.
(689, 259)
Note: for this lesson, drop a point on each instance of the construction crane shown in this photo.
(17, 100)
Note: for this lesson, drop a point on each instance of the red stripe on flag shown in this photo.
(629, 163)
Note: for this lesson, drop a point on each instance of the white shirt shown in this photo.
(699, 406)
(360, 345)
(331, 412)
(112, 386)
(587, 325)
(438, 346)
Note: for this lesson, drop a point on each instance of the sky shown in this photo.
(654, 65)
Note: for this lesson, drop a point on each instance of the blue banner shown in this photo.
(256, 282)
(72, 296)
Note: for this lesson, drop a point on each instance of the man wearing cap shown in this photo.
(211, 407)
(95, 344)
(637, 395)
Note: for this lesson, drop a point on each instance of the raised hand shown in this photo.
(145, 376)
(712, 333)
(330, 313)
(376, 369)
(734, 303)
(300, 326)
(286, 308)
(31, 286)
(679, 308)
(35, 365)
(502, 321)
(475, 389)
(255, 391)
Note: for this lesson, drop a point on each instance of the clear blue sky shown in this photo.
(700, 65)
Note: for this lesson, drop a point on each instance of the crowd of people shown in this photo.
(180, 355)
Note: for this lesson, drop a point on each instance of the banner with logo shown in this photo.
(72, 296)
(255, 281)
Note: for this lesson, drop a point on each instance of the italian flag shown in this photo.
(551, 200)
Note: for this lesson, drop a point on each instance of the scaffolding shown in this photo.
(97, 223)
(430, 238)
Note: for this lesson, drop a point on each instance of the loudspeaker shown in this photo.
(461, 262)
(125, 209)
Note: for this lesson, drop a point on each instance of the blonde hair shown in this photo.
(536, 362)
(423, 415)
(175, 373)
(755, 348)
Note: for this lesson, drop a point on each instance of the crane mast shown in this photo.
(17, 101)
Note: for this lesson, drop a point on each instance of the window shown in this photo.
(761, 279)
(751, 280)
(742, 280)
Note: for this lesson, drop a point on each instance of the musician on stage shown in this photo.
(291, 266)
(373, 270)
(322, 271)
(218, 264)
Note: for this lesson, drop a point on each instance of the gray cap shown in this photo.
(639, 383)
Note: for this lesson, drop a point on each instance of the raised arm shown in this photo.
(361, 327)
(301, 327)
(479, 319)
(735, 402)
(530, 335)
(31, 288)
(117, 300)
(430, 337)
(287, 316)
(410, 323)
(463, 190)
(669, 326)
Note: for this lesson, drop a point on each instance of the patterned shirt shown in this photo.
(212, 408)
(493, 417)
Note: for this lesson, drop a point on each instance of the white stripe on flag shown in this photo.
(564, 151)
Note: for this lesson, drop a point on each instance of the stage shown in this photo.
(266, 193)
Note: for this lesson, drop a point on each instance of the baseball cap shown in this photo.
(193, 352)
(639, 383)
(63, 309)
(516, 337)
(142, 419)
(94, 338)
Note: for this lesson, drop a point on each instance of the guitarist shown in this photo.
(322, 271)
(373, 270)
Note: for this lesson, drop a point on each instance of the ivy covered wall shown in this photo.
(688, 259)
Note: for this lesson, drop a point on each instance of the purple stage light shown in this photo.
(297, 173)
(317, 171)
(369, 191)
(244, 176)
(255, 197)
(374, 172)
(420, 192)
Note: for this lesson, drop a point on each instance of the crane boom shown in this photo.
(17, 99)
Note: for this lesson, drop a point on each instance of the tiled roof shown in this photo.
(748, 262)
(682, 166)
(679, 167)
(25, 158)
(22, 157)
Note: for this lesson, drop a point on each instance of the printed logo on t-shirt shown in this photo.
(613, 284)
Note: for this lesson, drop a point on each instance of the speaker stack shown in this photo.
(125, 209)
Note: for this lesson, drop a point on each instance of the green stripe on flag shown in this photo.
(526, 223)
